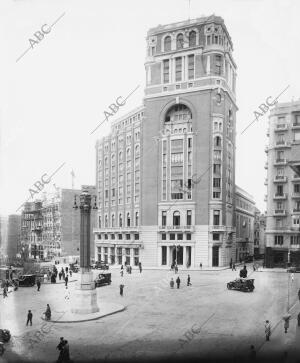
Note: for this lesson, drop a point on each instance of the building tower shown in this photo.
(188, 176)
(165, 174)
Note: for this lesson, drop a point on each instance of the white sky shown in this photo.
(53, 97)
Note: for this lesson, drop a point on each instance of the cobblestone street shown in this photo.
(203, 320)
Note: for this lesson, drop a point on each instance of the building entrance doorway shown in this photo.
(215, 256)
(177, 256)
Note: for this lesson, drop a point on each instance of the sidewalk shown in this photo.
(281, 342)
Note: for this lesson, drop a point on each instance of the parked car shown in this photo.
(27, 280)
(293, 269)
(103, 279)
(100, 265)
(4, 338)
(74, 267)
(245, 285)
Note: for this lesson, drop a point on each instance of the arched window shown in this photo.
(113, 220)
(120, 220)
(105, 161)
(137, 150)
(178, 113)
(179, 41)
(106, 221)
(176, 218)
(167, 44)
(128, 219)
(113, 158)
(217, 141)
(136, 219)
(192, 39)
(128, 154)
(120, 156)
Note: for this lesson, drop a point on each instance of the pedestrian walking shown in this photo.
(59, 275)
(230, 264)
(292, 276)
(66, 352)
(121, 289)
(267, 330)
(67, 269)
(233, 267)
(130, 270)
(122, 273)
(172, 284)
(60, 347)
(29, 318)
(4, 292)
(178, 282)
(70, 273)
(67, 294)
(286, 325)
(201, 265)
(48, 312)
(189, 281)
(140, 267)
(176, 269)
(252, 354)
(66, 280)
(38, 284)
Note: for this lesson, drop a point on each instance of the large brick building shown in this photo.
(166, 173)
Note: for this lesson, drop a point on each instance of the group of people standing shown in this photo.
(64, 275)
(178, 281)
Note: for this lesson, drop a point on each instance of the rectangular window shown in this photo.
(217, 168)
(218, 60)
(163, 218)
(128, 236)
(191, 66)
(120, 236)
(296, 188)
(216, 237)
(178, 69)
(216, 217)
(189, 218)
(278, 240)
(216, 195)
(217, 182)
(164, 255)
(188, 236)
(172, 236)
(136, 236)
(166, 70)
(163, 236)
(180, 237)
(112, 236)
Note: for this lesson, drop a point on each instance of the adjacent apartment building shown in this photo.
(51, 227)
(283, 182)
(166, 172)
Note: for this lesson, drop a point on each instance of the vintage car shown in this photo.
(103, 279)
(100, 265)
(27, 280)
(246, 285)
(293, 269)
(74, 267)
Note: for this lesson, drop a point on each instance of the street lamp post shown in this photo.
(85, 301)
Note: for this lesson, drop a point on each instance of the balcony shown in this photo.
(296, 195)
(115, 229)
(280, 179)
(266, 149)
(266, 165)
(177, 228)
(280, 212)
(281, 127)
(296, 178)
(296, 210)
(296, 126)
(219, 228)
(280, 162)
(266, 181)
(281, 196)
(281, 144)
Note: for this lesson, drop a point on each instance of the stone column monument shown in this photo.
(84, 300)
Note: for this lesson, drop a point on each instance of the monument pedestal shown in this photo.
(84, 299)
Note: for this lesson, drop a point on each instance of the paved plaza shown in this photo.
(203, 320)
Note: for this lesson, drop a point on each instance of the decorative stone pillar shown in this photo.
(85, 294)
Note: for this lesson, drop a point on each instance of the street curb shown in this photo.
(84, 320)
